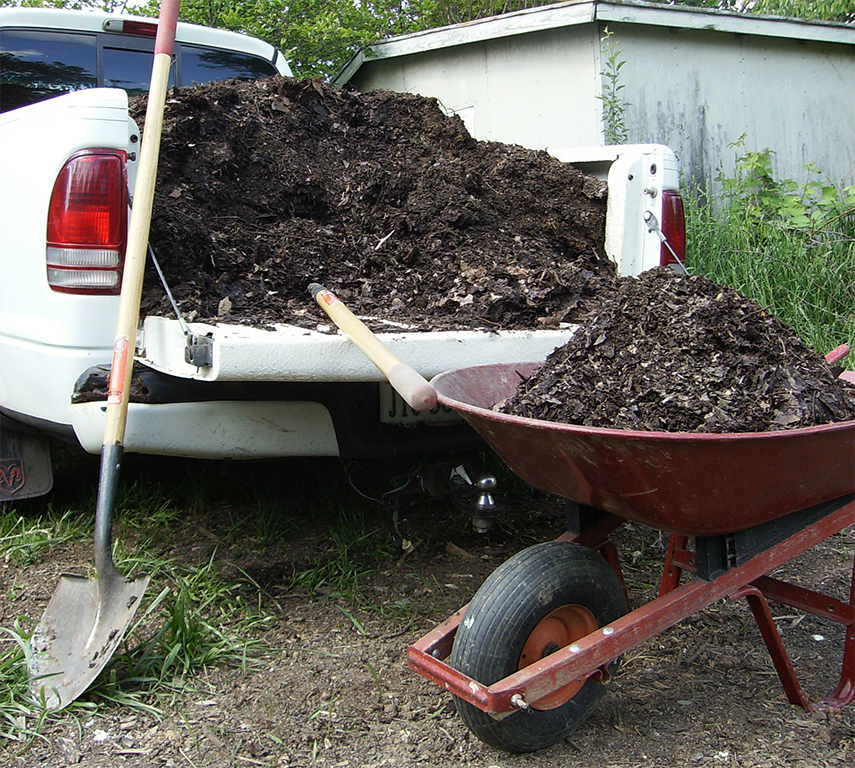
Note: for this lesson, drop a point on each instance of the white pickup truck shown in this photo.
(67, 156)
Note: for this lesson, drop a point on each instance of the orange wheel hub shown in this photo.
(556, 630)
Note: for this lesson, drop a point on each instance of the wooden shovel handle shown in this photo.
(138, 229)
(409, 384)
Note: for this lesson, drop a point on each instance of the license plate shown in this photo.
(394, 410)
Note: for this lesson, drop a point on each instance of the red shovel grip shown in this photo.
(166, 25)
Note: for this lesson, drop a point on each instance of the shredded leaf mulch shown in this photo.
(680, 353)
(265, 187)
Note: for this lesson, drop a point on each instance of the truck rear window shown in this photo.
(39, 64)
(129, 69)
(204, 65)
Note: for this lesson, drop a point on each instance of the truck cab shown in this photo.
(47, 53)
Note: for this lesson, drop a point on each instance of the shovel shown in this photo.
(412, 386)
(86, 619)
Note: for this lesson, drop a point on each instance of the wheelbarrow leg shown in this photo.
(814, 603)
(774, 644)
(845, 693)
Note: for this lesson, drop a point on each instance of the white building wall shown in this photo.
(538, 90)
(696, 81)
(700, 91)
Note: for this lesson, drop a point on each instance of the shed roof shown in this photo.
(577, 12)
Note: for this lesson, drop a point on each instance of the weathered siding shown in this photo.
(698, 91)
(695, 80)
(538, 90)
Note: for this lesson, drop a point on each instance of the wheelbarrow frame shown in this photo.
(590, 656)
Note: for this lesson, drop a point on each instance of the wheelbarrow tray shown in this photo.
(696, 484)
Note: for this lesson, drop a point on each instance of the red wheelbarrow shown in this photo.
(532, 654)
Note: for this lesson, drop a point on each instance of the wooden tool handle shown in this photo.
(412, 386)
(138, 229)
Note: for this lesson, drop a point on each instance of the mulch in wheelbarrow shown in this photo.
(680, 353)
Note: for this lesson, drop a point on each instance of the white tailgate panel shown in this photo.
(295, 354)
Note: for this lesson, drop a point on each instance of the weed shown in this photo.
(377, 682)
(200, 621)
(266, 527)
(339, 573)
(21, 720)
(614, 105)
(354, 550)
(23, 540)
(195, 621)
(357, 624)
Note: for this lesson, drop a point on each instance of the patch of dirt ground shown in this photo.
(334, 689)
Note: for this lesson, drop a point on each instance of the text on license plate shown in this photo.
(394, 410)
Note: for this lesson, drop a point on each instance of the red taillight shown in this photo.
(674, 229)
(139, 28)
(87, 224)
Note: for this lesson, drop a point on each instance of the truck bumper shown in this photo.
(215, 429)
(172, 416)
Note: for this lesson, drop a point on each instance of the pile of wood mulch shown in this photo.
(265, 187)
(680, 353)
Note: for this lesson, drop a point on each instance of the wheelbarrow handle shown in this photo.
(837, 354)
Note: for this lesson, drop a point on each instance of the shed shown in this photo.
(695, 79)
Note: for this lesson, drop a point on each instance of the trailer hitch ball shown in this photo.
(475, 498)
(485, 507)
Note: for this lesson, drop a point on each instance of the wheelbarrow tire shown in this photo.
(541, 582)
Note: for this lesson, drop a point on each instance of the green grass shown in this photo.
(20, 721)
(356, 546)
(192, 617)
(805, 278)
(23, 540)
(195, 621)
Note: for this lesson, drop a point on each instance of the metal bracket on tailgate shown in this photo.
(199, 351)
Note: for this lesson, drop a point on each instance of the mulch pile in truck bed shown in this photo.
(265, 187)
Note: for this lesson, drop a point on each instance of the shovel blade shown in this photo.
(78, 633)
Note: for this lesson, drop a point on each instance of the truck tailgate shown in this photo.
(289, 353)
